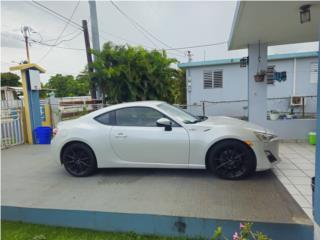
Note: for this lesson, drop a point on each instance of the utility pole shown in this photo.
(94, 33)
(189, 56)
(26, 32)
(89, 57)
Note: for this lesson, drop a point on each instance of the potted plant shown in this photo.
(290, 114)
(274, 115)
(259, 77)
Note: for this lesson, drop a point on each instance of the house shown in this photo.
(223, 84)
(10, 97)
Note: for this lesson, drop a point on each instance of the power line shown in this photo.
(122, 38)
(68, 34)
(56, 46)
(135, 23)
(56, 14)
(65, 19)
(197, 46)
(61, 33)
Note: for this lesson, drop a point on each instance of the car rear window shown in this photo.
(106, 118)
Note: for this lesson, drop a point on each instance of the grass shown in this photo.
(26, 231)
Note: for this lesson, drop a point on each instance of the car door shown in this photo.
(137, 139)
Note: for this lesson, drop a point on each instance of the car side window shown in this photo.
(137, 116)
(107, 118)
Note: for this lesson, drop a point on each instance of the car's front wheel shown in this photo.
(78, 159)
(231, 159)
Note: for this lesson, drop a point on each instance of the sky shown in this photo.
(174, 23)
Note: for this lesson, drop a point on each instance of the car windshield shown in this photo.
(176, 112)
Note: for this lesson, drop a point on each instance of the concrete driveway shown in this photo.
(31, 179)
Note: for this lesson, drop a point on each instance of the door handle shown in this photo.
(121, 135)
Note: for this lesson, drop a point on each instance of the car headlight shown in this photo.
(265, 137)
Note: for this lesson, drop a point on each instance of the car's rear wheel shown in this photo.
(231, 159)
(78, 159)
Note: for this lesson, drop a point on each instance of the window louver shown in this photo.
(270, 74)
(207, 79)
(218, 77)
(314, 73)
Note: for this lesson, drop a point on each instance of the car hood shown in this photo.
(228, 121)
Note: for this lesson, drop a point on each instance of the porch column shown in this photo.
(257, 91)
(317, 174)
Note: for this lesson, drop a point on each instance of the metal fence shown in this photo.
(239, 108)
(6, 104)
(11, 127)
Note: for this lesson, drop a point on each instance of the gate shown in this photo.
(11, 127)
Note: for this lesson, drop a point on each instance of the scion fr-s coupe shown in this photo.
(154, 134)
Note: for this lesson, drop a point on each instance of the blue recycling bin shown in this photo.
(43, 135)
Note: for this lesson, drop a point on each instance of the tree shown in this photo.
(10, 79)
(68, 86)
(126, 73)
(179, 87)
(82, 84)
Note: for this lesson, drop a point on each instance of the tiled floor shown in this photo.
(295, 172)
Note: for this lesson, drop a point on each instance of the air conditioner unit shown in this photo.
(296, 101)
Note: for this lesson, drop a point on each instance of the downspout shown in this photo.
(294, 76)
(189, 86)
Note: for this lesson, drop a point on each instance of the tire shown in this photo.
(78, 159)
(232, 160)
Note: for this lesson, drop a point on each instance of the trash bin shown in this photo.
(312, 187)
(312, 138)
(43, 135)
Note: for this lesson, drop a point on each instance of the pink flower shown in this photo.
(235, 236)
(241, 225)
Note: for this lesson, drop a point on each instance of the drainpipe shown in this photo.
(294, 76)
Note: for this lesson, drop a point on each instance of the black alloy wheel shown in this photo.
(232, 159)
(78, 159)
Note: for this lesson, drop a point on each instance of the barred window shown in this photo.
(207, 79)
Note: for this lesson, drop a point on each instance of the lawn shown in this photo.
(26, 231)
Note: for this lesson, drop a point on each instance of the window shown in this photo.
(207, 79)
(212, 79)
(106, 118)
(137, 116)
(314, 73)
(178, 113)
(217, 79)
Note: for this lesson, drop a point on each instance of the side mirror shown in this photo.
(166, 123)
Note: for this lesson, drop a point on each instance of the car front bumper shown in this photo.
(267, 154)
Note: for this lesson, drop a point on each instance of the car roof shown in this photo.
(150, 103)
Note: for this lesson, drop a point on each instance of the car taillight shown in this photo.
(55, 131)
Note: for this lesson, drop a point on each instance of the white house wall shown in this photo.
(235, 88)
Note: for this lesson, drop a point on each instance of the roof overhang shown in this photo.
(272, 22)
(273, 57)
(28, 66)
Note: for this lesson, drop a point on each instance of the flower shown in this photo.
(242, 225)
(235, 236)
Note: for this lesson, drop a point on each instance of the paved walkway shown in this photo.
(295, 172)
(31, 179)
